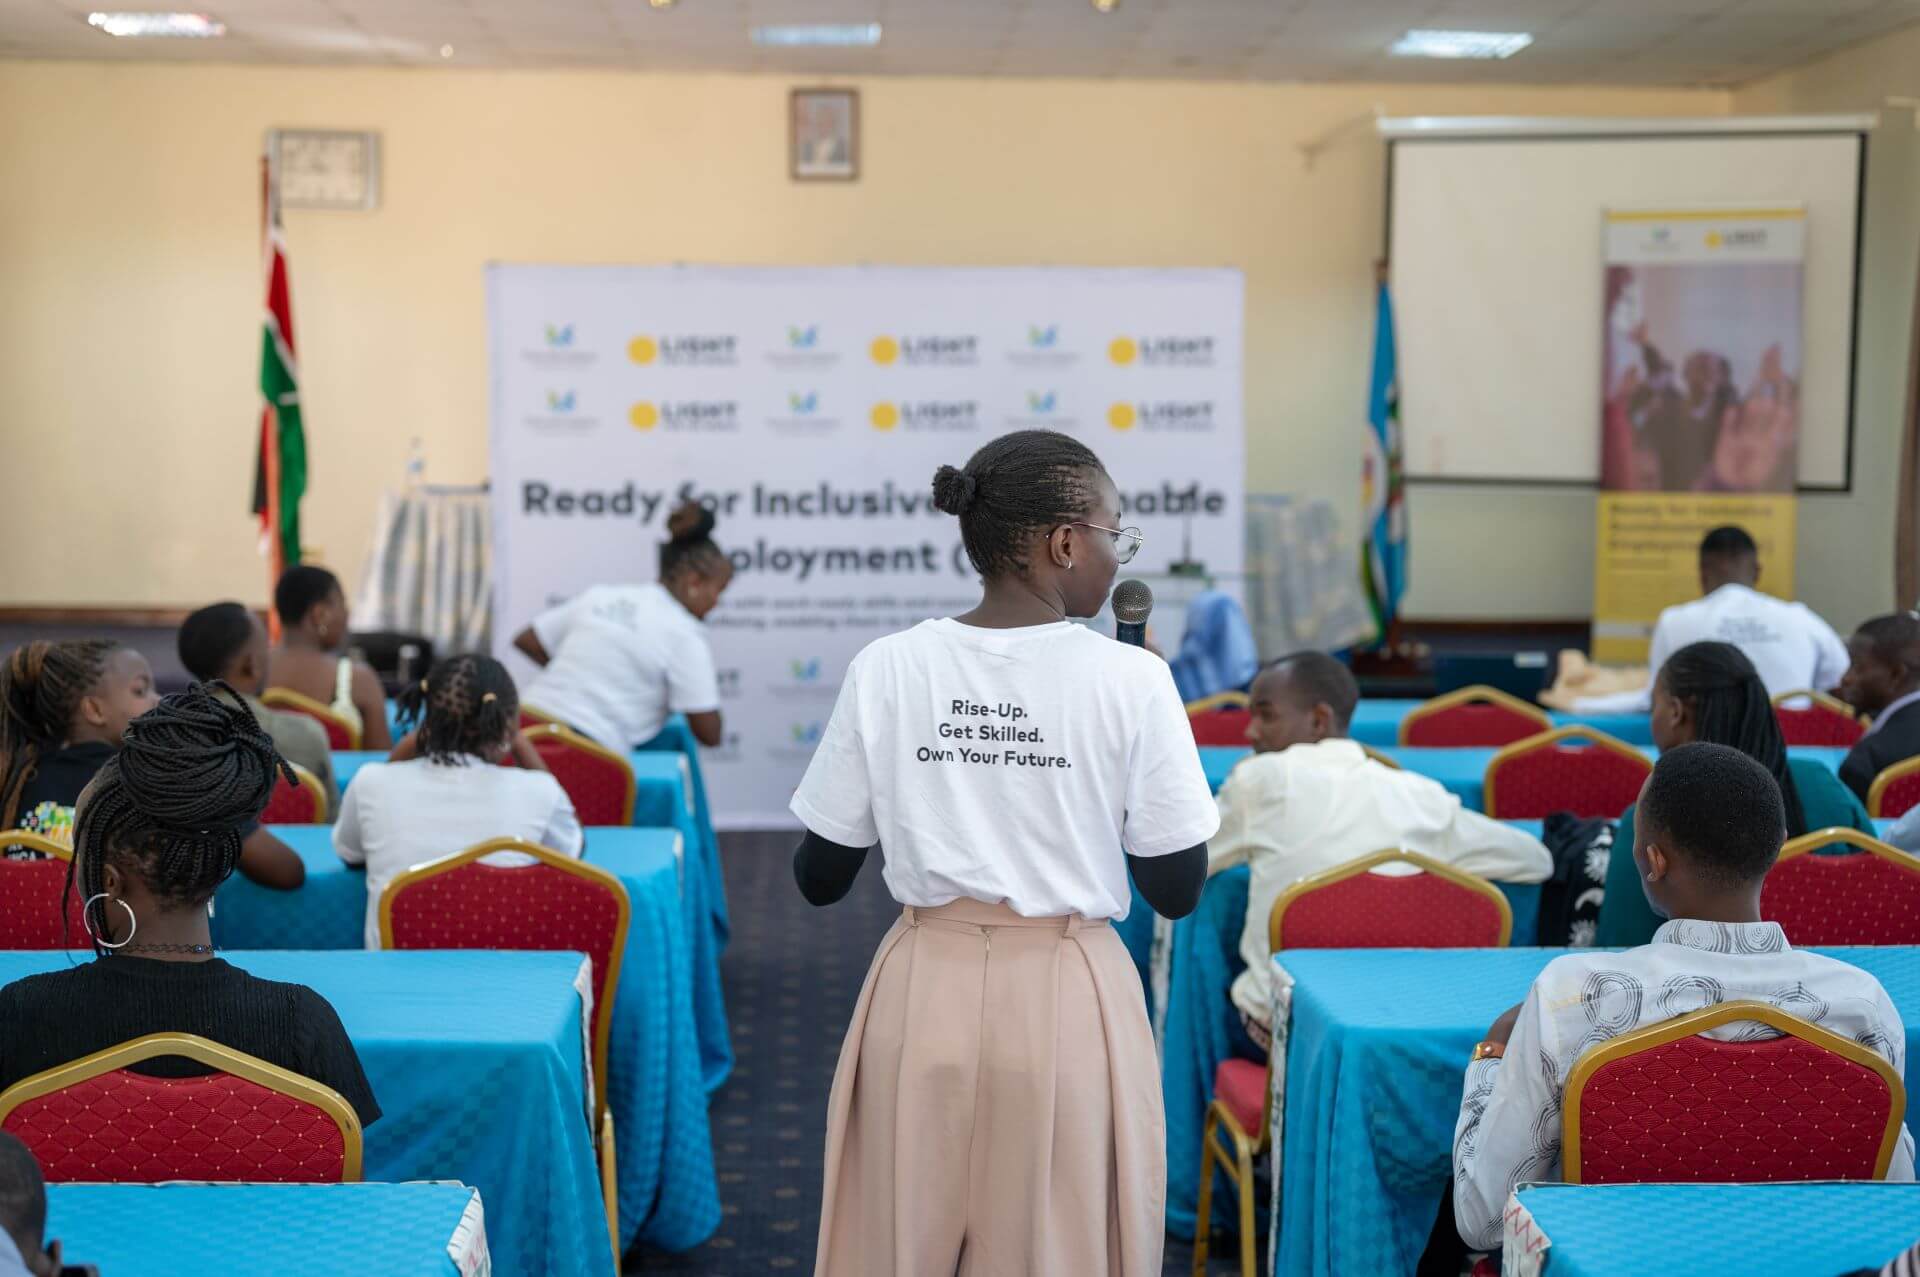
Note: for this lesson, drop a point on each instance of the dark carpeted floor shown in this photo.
(792, 973)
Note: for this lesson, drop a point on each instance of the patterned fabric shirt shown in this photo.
(1509, 1128)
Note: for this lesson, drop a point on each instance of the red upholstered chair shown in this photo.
(1572, 769)
(301, 801)
(1869, 896)
(1348, 907)
(1664, 1105)
(97, 1120)
(1822, 720)
(461, 902)
(340, 733)
(35, 910)
(599, 781)
(531, 717)
(1895, 790)
(1220, 720)
(1473, 716)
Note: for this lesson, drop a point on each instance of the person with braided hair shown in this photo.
(64, 707)
(156, 833)
(441, 790)
(617, 660)
(1712, 692)
(997, 1103)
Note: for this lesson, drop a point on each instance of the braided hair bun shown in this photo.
(173, 805)
(953, 490)
(690, 547)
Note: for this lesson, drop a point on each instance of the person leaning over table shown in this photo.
(1711, 692)
(1711, 823)
(1310, 800)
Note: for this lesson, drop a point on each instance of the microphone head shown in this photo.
(1132, 602)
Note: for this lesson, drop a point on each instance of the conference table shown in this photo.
(668, 1196)
(1376, 722)
(268, 1230)
(1714, 1230)
(669, 794)
(1375, 1055)
(478, 1061)
(1462, 770)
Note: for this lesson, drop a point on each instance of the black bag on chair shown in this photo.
(1570, 899)
(399, 659)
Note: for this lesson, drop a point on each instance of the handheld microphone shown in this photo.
(1132, 604)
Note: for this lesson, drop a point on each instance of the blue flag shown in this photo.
(1383, 556)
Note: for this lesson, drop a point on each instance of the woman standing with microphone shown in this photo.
(997, 1108)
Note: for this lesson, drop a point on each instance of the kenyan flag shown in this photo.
(280, 474)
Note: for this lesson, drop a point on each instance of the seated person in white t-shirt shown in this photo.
(1711, 822)
(442, 790)
(1788, 643)
(619, 659)
(1310, 800)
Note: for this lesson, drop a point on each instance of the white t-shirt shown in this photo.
(624, 658)
(398, 815)
(1788, 643)
(1008, 766)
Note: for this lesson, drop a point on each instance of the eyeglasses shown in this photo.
(1126, 541)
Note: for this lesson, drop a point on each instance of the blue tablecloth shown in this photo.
(1462, 771)
(258, 1230)
(1722, 1230)
(1375, 1062)
(476, 1059)
(670, 796)
(1377, 722)
(668, 1197)
(1200, 1018)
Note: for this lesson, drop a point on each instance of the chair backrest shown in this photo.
(1473, 716)
(1869, 896)
(557, 902)
(1819, 720)
(97, 1120)
(1385, 760)
(300, 801)
(1895, 790)
(1662, 1104)
(340, 733)
(1572, 769)
(531, 717)
(1220, 719)
(1351, 907)
(36, 912)
(599, 781)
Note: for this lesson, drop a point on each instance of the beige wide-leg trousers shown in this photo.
(996, 1111)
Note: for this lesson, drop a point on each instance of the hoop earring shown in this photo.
(133, 923)
(1069, 565)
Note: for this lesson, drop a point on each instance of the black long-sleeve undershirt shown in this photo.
(1172, 884)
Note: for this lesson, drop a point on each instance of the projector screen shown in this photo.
(1495, 252)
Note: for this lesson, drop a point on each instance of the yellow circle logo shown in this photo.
(643, 415)
(884, 416)
(1713, 239)
(884, 350)
(1122, 350)
(643, 350)
(1121, 416)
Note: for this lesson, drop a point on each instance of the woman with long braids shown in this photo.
(157, 831)
(997, 1104)
(1711, 692)
(617, 660)
(441, 791)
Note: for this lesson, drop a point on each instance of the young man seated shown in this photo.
(1883, 684)
(1310, 800)
(227, 642)
(1710, 823)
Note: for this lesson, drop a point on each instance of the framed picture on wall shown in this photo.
(824, 135)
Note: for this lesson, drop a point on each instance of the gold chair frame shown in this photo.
(288, 699)
(1546, 740)
(1477, 694)
(574, 740)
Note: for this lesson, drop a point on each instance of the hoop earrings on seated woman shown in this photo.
(86, 920)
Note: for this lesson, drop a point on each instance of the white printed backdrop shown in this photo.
(810, 408)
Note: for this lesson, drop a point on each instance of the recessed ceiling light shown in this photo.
(1460, 44)
(820, 35)
(1106, 6)
(446, 50)
(177, 25)
(661, 4)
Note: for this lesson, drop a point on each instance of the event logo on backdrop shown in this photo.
(1700, 405)
(808, 409)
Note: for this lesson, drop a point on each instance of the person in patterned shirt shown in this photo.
(1711, 823)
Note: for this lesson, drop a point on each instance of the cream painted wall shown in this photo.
(129, 293)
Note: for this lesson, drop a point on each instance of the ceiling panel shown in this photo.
(1642, 42)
